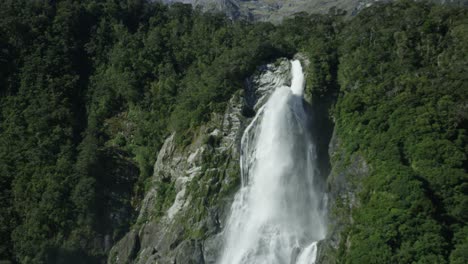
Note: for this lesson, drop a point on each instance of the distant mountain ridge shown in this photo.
(276, 10)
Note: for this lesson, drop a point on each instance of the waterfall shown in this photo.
(276, 216)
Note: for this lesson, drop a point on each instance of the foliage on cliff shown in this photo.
(89, 90)
(403, 106)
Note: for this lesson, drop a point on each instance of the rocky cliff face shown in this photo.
(343, 185)
(186, 204)
(276, 10)
(188, 199)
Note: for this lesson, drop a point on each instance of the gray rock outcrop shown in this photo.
(183, 212)
(276, 10)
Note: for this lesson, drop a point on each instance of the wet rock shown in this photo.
(126, 249)
(189, 252)
(343, 187)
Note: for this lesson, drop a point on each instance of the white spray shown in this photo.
(276, 215)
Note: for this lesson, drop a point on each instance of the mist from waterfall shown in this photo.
(277, 215)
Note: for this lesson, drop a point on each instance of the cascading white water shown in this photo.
(276, 215)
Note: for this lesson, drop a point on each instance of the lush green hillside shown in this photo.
(89, 90)
(403, 80)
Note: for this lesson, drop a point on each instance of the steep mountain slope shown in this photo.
(273, 10)
(399, 155)
(276, 10)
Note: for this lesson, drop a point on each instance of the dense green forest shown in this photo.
(403, 78)
(90, 89)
